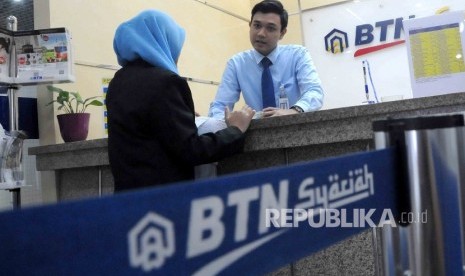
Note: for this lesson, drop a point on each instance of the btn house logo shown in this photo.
(151, 242)
(337, 41)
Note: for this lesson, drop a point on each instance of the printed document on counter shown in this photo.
(208, 124)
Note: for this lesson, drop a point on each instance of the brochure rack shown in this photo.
(27, 58)
(37, 56)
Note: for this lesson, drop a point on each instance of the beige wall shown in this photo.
(310, 4)
(294, 7)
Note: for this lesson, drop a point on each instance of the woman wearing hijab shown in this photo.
(153, 138)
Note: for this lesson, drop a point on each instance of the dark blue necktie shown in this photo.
(267, 84)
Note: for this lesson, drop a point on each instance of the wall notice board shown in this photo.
(436, 47)
(341, 36)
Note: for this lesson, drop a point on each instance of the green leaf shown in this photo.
(77, 96)
(94, 103)
(54, 89)
(72, 102)
(50, 103)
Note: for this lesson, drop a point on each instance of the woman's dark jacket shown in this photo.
(152, 136)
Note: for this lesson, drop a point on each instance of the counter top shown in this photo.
(312, 128)
(89, 153)
(82, 168)
(342, 124)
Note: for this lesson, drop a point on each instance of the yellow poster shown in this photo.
(437, 51)
(105, 83)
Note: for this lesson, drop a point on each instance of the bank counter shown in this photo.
(82, 168)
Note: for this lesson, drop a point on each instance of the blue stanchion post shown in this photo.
(434, 157)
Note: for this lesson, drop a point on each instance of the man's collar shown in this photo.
(272, 56)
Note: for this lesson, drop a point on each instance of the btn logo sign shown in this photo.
(213, 230)
(336, 41)
(151, 242)
(244, 224)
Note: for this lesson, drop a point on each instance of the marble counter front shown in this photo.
(326, 133)
(82, 168)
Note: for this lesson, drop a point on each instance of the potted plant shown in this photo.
(74, 123)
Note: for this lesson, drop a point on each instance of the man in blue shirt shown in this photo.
(291, 68)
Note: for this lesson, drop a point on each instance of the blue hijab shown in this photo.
(152, 36)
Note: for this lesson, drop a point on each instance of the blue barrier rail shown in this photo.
(230, 225)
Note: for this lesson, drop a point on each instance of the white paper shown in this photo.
(207, 124)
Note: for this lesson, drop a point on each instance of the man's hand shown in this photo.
(274, 111)
(240, 119)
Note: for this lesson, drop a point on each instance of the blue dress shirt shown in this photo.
(292, 67)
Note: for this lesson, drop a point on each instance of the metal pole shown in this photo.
(392, 257)
(461, 150)
(433, 148)
(13, 107)
(100, 188)
(434, 162)
(16, 198)
(12, 25)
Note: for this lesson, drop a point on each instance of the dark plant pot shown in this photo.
(74, 127)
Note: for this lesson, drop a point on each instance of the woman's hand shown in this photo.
(240, 119)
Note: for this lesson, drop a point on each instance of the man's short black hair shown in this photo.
(272, 6)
